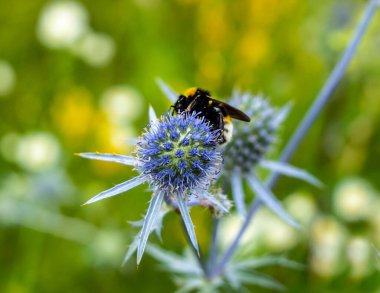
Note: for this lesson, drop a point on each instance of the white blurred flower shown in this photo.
(277, 236)
(61, 23)
(122, 104)
(302, 207)
(96, 49)
(266, 230)
(107, 248)
(353, 199)
(7, 78)
(328, 239)
(230, 226)
(37, 151)
(359, 253)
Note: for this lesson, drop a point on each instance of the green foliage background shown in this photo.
(283, 49)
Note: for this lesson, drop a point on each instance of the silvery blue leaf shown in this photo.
(191, 285)
(149, 222)
(238, 193)
(187, 221)
(268, 198)
(266, 261)
(260, 280)
(173, 262)
(232, 279)
(152, 115)
(139, 223)
(209, 197)
(291, 171)
(168, 92)
(120, 188)
(132, 248)
(157, 227)
(281, 115)
(159, 220)
(126, 160)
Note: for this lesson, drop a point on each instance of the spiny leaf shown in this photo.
(150, 218)
(232, 279)
(215, 202)
(191, 285)
(157, 227)
(281, 115)
(270, 200)
(152, 115)
(173, 262)
(132, 248)
(120, 188)
(238, 193)
(168, 92)
(291, 171)
(187, 221)
(125, 160)
(266, 261)
(260, 280)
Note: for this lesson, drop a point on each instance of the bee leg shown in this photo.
(219, 125)
(173, 110)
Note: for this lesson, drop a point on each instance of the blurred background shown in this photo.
(79, 76)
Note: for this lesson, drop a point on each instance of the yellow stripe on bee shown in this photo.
(190, 92)
(227, 118)
(210, 103)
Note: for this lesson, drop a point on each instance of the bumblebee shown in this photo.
(217, 113)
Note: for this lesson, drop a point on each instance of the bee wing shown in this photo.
(233, 112)
(237, 114)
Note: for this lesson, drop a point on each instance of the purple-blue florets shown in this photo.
(179, 153)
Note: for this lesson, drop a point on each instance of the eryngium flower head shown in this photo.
(252, 141)
(179, 157)
(179, 153)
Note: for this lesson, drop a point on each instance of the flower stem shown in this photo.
(232, 248)
(213, 247)
(328, 88)
(309, 118)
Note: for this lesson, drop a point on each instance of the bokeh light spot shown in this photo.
(61, 23)
(38, 151)
(7, 78)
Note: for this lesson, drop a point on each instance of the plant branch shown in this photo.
(309, 118)
(232, 248)
(213, 247)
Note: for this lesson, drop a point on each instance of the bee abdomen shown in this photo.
(227, 132)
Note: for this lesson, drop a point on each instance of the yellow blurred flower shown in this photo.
(74, 114)
(253, 47)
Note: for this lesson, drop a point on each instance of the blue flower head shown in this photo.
(179, 157)
(252, 141)
(179, 153)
